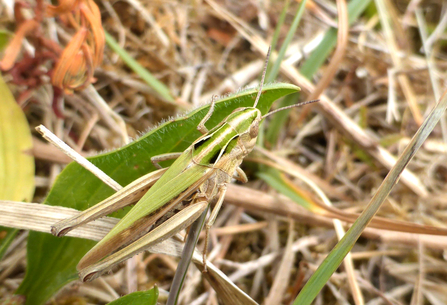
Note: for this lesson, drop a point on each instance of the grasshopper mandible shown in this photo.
(197, 177)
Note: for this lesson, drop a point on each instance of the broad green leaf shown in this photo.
(148, 297)
(52, 261)
(16, 162)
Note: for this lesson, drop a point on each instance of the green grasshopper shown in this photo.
(173, 197)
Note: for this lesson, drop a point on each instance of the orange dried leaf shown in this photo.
(91, 12)
(74, 68)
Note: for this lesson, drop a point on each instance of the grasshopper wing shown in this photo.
(128, 195)
(179, 182)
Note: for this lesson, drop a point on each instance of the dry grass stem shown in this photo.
(53, 139)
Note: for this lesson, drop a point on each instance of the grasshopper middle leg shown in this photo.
(212, 219)
(163, 157)
(201, 127)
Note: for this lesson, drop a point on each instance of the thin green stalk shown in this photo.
(312, 64)
(279, 25)
(271, 76)
(327, 45)
(185, 260)
(277, 122)
(154, 83)
(282, 18)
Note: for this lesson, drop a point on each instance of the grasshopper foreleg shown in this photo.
(212, 219)
(201, 127)
(163, 157)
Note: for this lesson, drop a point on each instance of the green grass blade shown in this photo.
(336, 256)
(279, 25)
(273, 178)
(278, 120)
(327, 45)
(311, 66)
(5, 242)
(185, 260)
(154, 83)
(272, 74)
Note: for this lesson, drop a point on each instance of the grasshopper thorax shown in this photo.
(243, 119)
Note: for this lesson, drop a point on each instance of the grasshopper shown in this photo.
(173, 197)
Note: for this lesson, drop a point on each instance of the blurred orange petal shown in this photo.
(91, 12)
(74, 67)
(13, 49)
(76, 75)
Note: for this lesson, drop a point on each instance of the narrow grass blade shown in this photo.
(280, 118)
(185, 260)
(273, 73)
(321, 53)
(272, 177)
(311, 66)
(285, 186)
(154, 83)
(279, 25)
(336, 256)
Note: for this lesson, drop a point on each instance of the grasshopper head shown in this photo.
(245, 121)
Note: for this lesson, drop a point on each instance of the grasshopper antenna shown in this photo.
(263, 77)
(288, 107)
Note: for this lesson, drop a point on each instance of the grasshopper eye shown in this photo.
(254, 129)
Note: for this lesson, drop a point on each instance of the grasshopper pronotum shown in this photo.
(198, 177)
